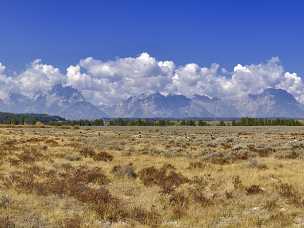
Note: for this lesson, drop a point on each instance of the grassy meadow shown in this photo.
(151, 176)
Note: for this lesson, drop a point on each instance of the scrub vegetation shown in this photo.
(173, 176)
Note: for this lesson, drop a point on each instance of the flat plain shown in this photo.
(151, 176)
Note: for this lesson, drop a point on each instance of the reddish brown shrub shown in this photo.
(52, 142)
(103, 156)
(5, 222)
(87, 151)
(30, 154)
(262, 151)
(125, 170)
(168, 180)
(74, 222)
(237, 183)
(197, 165)
(144, 216)
(85, 175)
(217, 158)
(254, 189)
(290, 154)
(179, 203)
(14, 161)
(288, 191)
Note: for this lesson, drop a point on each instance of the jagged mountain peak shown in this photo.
(70, 103)
(170, 100)
(158, 105)
(67, 92)
(82, 110)
(272, 103)
(279, 94)
(205, 98)
(61, 100)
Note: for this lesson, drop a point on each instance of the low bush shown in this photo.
(124, 170)
(102, 156)
(164, 177)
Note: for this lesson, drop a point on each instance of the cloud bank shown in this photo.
(108, 82)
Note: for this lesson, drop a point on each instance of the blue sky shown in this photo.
(225, 32)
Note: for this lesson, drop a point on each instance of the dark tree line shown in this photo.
(266, 122)
(98, 122)
(157, 122)
(17, 119)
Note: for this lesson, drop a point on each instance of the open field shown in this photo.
(152, 176)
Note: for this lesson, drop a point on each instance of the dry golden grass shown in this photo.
(151, 176)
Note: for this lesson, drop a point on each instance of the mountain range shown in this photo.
(69, 103)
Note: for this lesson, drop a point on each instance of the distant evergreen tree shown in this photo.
(202, 123)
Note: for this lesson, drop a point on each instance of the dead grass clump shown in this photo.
(239, 155)
(34, 140)
(290, 193)
(66, 166)
(50, 186)
(86, 175)
(10, 142)
(103, 156)
(44, 147)
(287, 154)
(73, 157)
(237, 183)
(270, 204)
(226, 146)
(35, 170)
(168, 166)
(74, 222)
(261, 150)
(253, 163)
(166, 178)
(216, 158)
(9, 145)
(74, 144)
(296, 144)
(282, 218)
(5, 201)
(179, 199)
(30, 154)
(251, 147)
(254, 189)
(14, 161)
(197, 165)
(212, 145)
(201, 181)
(144, 217)
(87, 151)
(124, 170)
(179, 203)
(6, 222)
(200, 195)
(51, 142)
(23, 180)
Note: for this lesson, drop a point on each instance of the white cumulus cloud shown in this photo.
(111, 81)
(38, 78)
